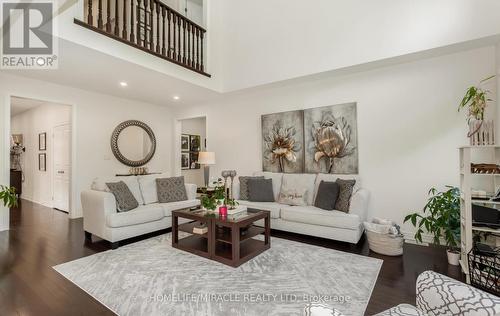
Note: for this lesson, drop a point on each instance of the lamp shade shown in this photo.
(206, 158)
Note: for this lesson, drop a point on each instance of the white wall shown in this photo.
(194, 126)
(37, 185)
(268, 41)
(408, 126)
(94, 118)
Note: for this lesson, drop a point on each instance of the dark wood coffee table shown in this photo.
(229, 240)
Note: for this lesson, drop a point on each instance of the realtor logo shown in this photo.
(27, 37)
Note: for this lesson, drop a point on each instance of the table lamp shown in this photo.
(206, 158)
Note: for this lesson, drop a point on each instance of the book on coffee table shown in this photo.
(200, 230)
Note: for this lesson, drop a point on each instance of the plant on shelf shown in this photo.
(476, 100)
(441, 218)
(8, 196)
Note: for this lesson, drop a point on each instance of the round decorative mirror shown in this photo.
(133, 143)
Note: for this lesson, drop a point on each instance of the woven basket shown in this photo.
(384, 243)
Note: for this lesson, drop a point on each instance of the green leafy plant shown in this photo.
(209, 202)
(231, 203)
(476, 100)
(8, 196)
(440, 217)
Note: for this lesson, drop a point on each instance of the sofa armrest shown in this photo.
(359, 203)
(96, 205)
(441, 295)
(191, 190)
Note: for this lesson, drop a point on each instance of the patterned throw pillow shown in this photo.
(297, 197)
(244, 186)
(171, 189)
(125, 200)
(345, 192)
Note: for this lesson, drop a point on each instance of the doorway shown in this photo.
(193, 140)
(40, 167)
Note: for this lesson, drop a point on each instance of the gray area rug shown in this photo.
(152, 278)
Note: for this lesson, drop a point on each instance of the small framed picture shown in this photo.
(42, 141)
(193, 161)
(184, 161)
(194, 143)
(42, 162)
(184, 142)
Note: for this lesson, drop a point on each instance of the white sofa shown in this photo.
(100, 217)
(310, 220)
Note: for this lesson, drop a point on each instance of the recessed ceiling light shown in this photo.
(176, 97)
(123, 84)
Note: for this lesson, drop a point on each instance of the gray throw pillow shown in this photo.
(171, 189)
(344, 199)
(244, 186)
(125, 200)
(327, 195)
(260, 190)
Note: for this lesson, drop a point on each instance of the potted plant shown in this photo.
(8, 196)
(476, 100)
(441, 218)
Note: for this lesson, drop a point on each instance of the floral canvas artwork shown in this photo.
(331, 139)
(282, 142)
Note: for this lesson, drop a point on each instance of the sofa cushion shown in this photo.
(328, 193)
(99, 184)
(125, 200)
(140, 215)
(171, 189)
(147, 185)
(179, 205)
(316, 216)
(260, 190)
(299, 185)
(276, 177)
(244, 186)
(345, 193)
(272, 207)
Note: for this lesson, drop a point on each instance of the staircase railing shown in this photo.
(151, 26)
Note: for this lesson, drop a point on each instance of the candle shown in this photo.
(223, 210)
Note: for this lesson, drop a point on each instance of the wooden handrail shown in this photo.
(150, 26)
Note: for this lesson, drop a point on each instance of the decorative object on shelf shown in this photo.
(206, 158)
(42, 162)
(331, 139)
(485, 168)
(441, 218)
(42, 141)
(476, 100)
(133, 143)
(137, 171)
(282, 141)
(8, 196)
(200, 229)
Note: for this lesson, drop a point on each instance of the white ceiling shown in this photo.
(85, 68)
(20, 105)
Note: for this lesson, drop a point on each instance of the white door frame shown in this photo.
(177, 141)
(73, 211)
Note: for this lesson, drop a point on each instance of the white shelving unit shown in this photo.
(469, 181)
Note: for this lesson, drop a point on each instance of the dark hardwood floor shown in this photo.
(41, 238)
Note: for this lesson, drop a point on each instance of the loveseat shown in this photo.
(100, 216)
(311, 220)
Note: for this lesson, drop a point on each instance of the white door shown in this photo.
(62, 166)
